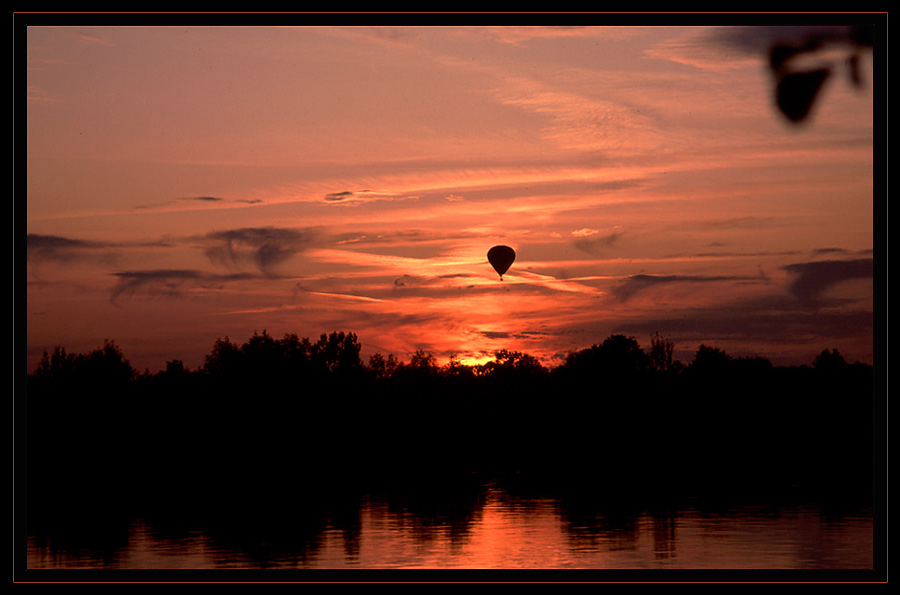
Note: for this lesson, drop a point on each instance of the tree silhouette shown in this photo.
(509, 364)
(661, 353)
(829, 360)
(262, 357)
(58, 367)
(383, 367)
(710, 360)
(223, 360)
(263, 405)
(296, 354)
(337, 353)
(617, 357)
(456, 369)
(423, 361)
(101, 368)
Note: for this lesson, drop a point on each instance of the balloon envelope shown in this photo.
(501, 258)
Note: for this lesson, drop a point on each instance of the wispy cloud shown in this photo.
(446, 286)
(591, 242)
(520, 35)
(157, 282)
(361, 196)
(772, 326)
(37, 95)
(728, 48)
(50, 247)
(813, 279)
(582, 123)
(264, 247)
(91, 38)
(202, 199)
(168, 283)
(749, 222)
(636, 284)
(713, 49)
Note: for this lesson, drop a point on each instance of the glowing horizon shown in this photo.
(191, 183)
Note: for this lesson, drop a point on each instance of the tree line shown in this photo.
(291, 413)
(338, 355)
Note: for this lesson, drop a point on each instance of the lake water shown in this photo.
(492, 530)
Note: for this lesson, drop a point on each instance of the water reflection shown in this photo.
(465, 525)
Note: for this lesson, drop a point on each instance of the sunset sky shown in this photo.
(188, 183)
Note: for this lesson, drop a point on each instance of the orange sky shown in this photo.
(188, 183)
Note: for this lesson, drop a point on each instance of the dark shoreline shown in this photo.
(236, 451)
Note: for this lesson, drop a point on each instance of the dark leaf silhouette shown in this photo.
(797, 87)
(797, 91)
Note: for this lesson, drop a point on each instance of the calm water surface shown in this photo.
(499, 533)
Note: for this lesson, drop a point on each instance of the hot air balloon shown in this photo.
(501, 258)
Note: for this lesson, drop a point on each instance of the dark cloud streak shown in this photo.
(170, 283)
(362, 196)
(204, 199)
(813, 279)
(636, 284)
(756, 325)
(266, 247)
(41, 247)
(166, 282)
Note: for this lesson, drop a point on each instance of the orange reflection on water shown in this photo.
(507, 534)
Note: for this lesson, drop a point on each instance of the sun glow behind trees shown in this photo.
(191, 183)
